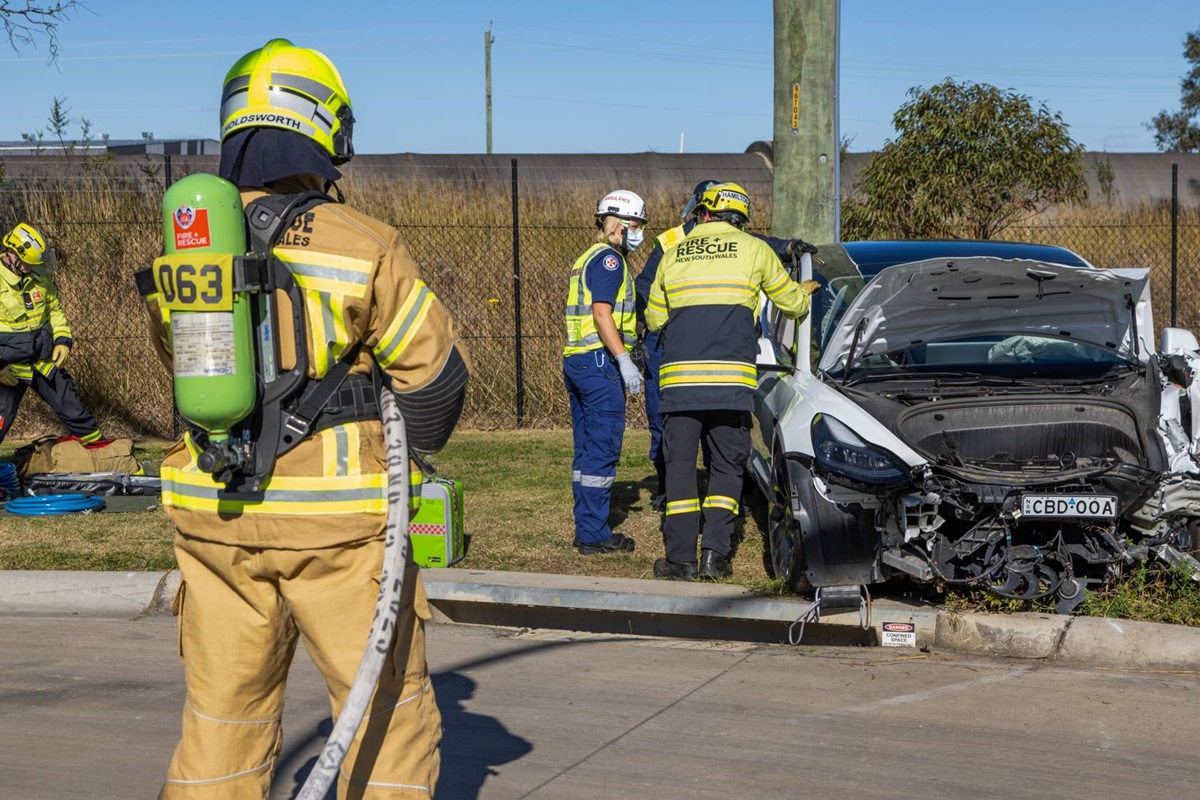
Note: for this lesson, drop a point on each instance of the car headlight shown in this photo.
(840, 451)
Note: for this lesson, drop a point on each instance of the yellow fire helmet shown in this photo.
(293, 88)
(27, 243)
(726, 197)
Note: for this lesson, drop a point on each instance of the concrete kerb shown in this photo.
(646, 607)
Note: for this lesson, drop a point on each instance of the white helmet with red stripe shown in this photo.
(622, 203)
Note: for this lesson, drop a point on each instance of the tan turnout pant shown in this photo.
(240, 612)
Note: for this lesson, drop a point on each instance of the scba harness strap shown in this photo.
(290, 406)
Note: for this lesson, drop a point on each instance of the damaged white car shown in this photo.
(997, 422)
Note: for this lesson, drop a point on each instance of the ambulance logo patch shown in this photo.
(610, 263)
(185, 216)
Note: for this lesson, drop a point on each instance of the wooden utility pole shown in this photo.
(806, 121)
(487, 68)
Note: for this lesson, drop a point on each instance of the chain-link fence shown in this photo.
(494, 249)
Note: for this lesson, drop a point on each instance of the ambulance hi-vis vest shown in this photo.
(705, 301)
(669, 238)
(582, 336)
(360, 284)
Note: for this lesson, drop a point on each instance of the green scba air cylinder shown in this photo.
(211, 331)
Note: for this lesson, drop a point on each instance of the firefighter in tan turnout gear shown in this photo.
(704, 301)
(301, 557)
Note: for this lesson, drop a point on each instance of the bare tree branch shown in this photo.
(28, 22)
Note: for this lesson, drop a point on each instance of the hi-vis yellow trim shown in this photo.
(24, 372)
(406, 323)
(670, 237)
(707, 373)
(326, 272)
(715, 289)
(340, 450)
(683, 506)
(309, 496)
(720, 501)
(326, 315)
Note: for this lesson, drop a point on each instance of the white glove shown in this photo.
(629, 374)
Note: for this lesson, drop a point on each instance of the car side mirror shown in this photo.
(1177, 369)
(766, 360)
(1177, 340)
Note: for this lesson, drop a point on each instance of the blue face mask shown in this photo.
(632, 238)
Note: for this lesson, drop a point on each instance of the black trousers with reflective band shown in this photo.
(59, 393)
(726, 435)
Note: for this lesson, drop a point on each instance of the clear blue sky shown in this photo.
(573, 76)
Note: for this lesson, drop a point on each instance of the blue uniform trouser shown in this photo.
(598, 420)
(653, 417)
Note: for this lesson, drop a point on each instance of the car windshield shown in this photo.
(830, 304)
(1015, 355)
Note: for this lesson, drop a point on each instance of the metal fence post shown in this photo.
(1174, 238)
(516, 240)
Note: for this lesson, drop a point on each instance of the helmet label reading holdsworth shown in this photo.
(263, 119)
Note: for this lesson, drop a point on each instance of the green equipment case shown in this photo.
(435, 530)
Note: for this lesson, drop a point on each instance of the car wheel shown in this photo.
(783, 530)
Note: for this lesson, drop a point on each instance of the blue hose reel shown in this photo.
(49, 505)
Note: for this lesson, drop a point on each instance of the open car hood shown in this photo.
(942, 299)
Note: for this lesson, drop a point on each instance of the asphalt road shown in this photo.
(90, 709)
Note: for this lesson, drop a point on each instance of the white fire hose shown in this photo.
(387, 608)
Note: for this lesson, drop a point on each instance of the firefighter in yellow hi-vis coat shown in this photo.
(301, 557)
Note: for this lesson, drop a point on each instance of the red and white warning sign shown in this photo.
(191, 227)
(898, 634)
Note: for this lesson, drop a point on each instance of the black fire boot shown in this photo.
(713, 566)
(674, 571)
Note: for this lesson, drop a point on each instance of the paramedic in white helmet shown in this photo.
(597, 367)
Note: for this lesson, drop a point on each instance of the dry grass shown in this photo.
(517, 515)
(104, 219)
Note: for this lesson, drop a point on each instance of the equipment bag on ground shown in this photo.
(53, 454)
(435, 530)
(104, 484)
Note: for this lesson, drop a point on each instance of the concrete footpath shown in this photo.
(90, 709)
(681, 610)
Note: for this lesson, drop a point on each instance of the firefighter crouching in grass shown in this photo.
(35, 338)
(704, 302)
(302, 556)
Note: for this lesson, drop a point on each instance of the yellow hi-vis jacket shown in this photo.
(582, 336)
(705, 301)
(28, 303)
(360, 284)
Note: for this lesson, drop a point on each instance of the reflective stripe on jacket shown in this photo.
(705, 301)
(582, 335)
(359, 284)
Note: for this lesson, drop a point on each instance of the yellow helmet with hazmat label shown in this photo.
(27, 243)
(292, 88)
(726, 197)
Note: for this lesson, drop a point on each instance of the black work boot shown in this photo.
(681, 571)
(713, 566)
(617, 543)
